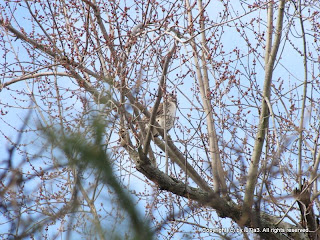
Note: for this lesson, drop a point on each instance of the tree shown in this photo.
(244, 149)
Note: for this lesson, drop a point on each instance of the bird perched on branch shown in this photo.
(165, 120)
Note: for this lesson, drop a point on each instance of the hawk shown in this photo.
(171, 108)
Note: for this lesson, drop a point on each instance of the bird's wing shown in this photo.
(160, 110)
(158, 113)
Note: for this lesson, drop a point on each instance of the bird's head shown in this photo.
(172, 98)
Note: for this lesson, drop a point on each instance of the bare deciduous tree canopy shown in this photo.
(241, 160)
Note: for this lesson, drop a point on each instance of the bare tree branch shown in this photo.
(264, 120)
(33, 75)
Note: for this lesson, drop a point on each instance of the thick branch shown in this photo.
(264, 120)
(305, 85)
(223, 207)
(303, 197)
(212, 134)
(269, 31)
(33, 75)
(177, 157)
(203, 79)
